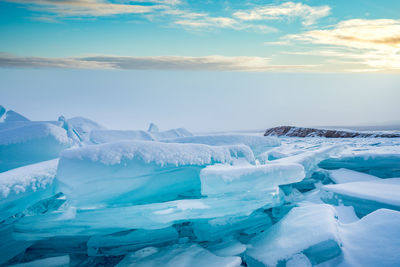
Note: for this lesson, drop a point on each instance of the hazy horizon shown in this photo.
(202, 101)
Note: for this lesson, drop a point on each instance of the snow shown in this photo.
(27, 178)
(30, 143)
(385, 191)
(341, 176)
(107, 136)
(31, 131)
(60, 261)
(159, 153)
(302, 228)
(372, 241)
(179, 256)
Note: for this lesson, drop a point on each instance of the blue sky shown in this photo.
(330, 35)
(206, 65)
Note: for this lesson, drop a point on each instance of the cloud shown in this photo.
(91, 8)
(207, 63)
(375, 43)
(309, 15)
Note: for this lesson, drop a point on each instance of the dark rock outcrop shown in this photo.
(293, 131)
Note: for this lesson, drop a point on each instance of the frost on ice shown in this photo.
(73, 193)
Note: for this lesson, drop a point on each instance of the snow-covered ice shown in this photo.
(73, 193)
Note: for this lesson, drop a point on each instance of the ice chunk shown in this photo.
(219, 179)
(153, 128)
(365, 196)
(298, 260)
(31, 143)
(179, 256)
(384, 164)
(11, 115)
(149, 216)
(341, 176)
(129, 241)
(257, 143)
(222, 227)
(24, 186)
(83, 127)
(60, 261)
(9, 247)
(372, 241)
(228, 247)
(107, 136)
(139, 171)
(310, 159)
(2, 111)
(311, 230)
(173, 133)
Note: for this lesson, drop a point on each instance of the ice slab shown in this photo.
(122, 243)
(60, 261)
(341, 176)
(107, 136)
(170, 134)
(153, 128)
(228, 247)
(257, 143)
(381, 163)
(311, 159)
(24, 186)
(139, 171)
(235, 226)
(220, 179)
(11, 115)
(178, 256)
(365, 196)
(72, 221)
(83, 127)
(31, 143)
(311, 230)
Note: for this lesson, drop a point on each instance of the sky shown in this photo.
(204, 65)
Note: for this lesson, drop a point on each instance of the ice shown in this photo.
(30, 143)
(237, 226)
(178, 256)
(107, 136)
(170, 134)
(228, 247)
(174, 199)
(149, 216)
(122, 243)
(258, 144)
(11, 115)
(310, 159)
(383, 163)
(139, 171)
(83, 127)
(341, 176)
(60, 261)
(2, 112)
(311, 230)
(220, 179)
(153, 128)
(365, 196)
(24, 186)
